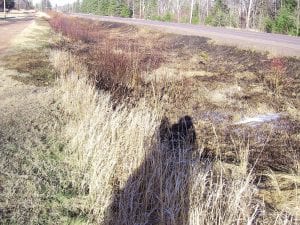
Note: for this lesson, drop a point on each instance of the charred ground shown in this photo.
(215, 84)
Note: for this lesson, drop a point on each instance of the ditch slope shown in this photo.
(219, 87)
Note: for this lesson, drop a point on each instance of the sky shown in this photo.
(58, 2)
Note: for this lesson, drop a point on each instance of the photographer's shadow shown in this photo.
(158, 191)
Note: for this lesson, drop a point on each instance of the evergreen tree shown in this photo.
(279, 16)
(219, 14)
(285, 22)
(106, 7)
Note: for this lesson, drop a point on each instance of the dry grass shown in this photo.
(35, 36)
(33, 184)
(115, 160)
(217, 86)
(29, 55)
(100, 160)
(127, 176)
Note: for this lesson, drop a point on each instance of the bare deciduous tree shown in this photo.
(191, 11)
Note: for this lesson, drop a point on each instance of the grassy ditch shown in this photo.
(143, 127)
(148, 74)
(216, 85)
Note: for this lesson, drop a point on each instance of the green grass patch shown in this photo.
(34, 67)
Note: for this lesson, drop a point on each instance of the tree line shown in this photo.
(278, 16)
(43, 5)
(9, 4)
(17, 4)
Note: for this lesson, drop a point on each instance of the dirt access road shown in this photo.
(12, 93)
(17, 100)
(11, 27)
(275, 44)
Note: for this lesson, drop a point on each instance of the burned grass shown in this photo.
(231, 80)
(185, 75)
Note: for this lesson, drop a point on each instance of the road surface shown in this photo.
(275, 44)
(10, 28)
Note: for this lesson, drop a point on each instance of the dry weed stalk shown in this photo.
(120, 162)
(127, 176)
(120, 169)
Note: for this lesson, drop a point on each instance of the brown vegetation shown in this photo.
(114, 64)
(216, 85)
(125, 59)
(151, 132)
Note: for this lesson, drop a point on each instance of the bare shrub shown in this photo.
(277, 80)
(114, 65)
(69, 27)
(122, 168)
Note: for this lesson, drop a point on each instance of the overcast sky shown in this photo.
(58, 2)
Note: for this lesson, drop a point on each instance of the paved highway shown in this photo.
(275, 44)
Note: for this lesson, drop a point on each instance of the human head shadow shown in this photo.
(158, 190)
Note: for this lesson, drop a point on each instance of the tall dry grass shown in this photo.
(106, 144)
(118, 166)
(126, 174)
